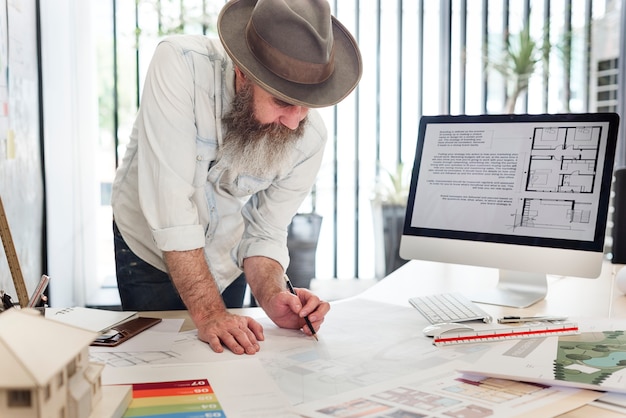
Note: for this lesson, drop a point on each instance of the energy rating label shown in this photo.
(177, 399)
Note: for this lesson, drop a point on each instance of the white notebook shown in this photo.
(97, 320)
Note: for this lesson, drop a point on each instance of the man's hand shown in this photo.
(288, 310)
(216, 326)
(240, 334)
(266, 279)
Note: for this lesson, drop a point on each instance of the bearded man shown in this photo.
(225, 147)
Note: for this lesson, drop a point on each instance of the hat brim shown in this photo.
(348, 66)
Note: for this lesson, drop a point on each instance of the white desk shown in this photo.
(576, 297)
(566, 295)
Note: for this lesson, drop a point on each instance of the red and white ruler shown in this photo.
(526, 330)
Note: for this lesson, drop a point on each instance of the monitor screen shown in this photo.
(526, 194)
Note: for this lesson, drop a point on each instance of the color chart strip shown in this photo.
(177, 399)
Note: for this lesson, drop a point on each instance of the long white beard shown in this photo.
(261, 157)
(260, 150)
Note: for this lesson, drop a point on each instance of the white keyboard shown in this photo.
(448, 307)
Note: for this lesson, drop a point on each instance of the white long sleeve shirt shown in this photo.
(171, 194)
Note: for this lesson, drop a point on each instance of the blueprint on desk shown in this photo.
(371, 358)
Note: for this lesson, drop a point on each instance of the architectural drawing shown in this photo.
(562, 160)
(590, 357)
(448, 395)
(553, 213)
(594, 359)
(127, 359)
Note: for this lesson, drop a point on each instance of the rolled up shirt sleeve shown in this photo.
(167, 139)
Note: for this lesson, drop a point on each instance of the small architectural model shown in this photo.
(45, 369)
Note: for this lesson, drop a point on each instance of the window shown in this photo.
(71, 368)
(19, 399)
(60, 379)
(419, 58)
(606, 96)
(438, 75)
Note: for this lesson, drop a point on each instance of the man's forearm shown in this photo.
(194, 282)
(265, 277)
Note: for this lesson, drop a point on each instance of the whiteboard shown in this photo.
(21, 176)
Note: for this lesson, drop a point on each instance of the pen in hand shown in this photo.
(306, 318)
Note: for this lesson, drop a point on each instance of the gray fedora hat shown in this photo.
(294, 49)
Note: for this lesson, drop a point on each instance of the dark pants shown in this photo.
(143, 287)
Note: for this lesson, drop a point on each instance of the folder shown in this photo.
(124, 331)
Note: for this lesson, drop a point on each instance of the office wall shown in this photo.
(21, 184)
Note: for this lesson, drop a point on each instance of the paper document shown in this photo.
(589, 360)
(241, 387)
(97, 320)
(443, 393)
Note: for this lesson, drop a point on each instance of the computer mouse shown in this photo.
(438, 329)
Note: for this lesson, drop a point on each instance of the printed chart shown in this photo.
(176, 399)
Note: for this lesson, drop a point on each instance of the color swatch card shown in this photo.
(176, 389)
(176, 399)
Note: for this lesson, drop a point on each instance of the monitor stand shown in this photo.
(517, 289)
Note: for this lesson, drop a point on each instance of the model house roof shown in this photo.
(33, 349)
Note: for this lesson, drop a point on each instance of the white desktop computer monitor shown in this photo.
(525, 194)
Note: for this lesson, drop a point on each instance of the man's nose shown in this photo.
(293, 115)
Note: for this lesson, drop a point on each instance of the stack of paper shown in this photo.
(97, 320)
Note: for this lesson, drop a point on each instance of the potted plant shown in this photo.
(521, 57)
(388, 210)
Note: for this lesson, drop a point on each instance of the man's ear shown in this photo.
(240, 78)
(239, 73)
